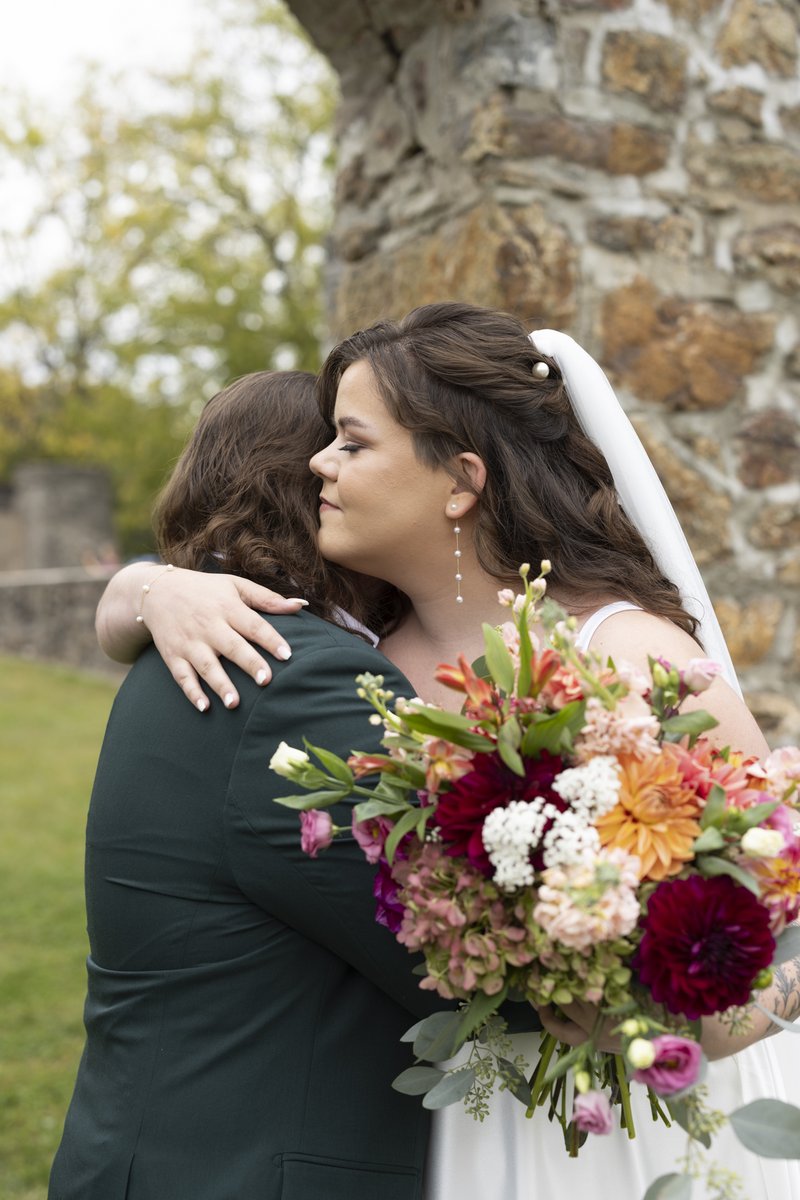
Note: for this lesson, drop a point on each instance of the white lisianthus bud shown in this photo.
(762, 843)
(506, 597)
(631, 1028)
(641, 1054)
(583, 1081)
(545, 567)
(660, 675)
(288, 761)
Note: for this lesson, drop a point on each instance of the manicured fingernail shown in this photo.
(283, 652)
(229, 699)
(297, 600)
(202, 704)
(262, 677)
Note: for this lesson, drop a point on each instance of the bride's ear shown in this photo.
(472, 469)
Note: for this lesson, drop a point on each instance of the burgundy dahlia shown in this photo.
(489, 785)
(704, 942)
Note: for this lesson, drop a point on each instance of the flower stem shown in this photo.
(536, 1081)
(624, 1095)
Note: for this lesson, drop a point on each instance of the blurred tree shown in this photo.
(171, 241)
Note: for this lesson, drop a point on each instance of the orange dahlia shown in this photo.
(656, 815)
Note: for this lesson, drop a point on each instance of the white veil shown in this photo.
(641, 494)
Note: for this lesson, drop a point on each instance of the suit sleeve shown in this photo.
(328, 899)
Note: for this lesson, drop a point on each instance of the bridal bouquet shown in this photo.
(569, 836)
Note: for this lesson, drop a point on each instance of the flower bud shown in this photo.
(583, 1081)
(763, 979)
(545, 567)
(660, 676)
(641, 1053)
(288, 761)
(525, 570)
(762, 843)
(631, 1028)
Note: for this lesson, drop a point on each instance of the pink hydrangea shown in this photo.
(675, 1066)
(591, 1113)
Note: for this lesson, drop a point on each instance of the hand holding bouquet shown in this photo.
(570, 838)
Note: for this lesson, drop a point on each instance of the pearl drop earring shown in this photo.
(457, 556)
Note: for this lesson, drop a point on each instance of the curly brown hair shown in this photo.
(242, 495)
(460, 378)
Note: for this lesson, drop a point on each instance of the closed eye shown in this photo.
(350, 448)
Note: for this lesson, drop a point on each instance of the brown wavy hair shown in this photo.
(460, 378)
(242, 495)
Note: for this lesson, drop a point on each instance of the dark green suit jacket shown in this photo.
(243, 1008)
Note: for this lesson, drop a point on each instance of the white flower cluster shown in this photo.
(509, 835)
(569, 841)
(592, 790)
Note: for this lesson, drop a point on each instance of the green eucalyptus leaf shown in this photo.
(311, 800)
(709, 867)
(679, 1111)
(437, 1037)
(332, 763)
(498, 659)
(670, 1187)
(770, 1128)
(709, 839)
(517, 1083)
(787, 945)
(452, 1088)
(417, 1080)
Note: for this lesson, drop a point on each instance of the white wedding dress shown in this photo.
(508, 1157)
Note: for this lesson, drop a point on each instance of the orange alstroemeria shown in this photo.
(371, 764)
(656, 815)
(463, 679)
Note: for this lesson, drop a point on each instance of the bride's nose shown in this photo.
(324, 462)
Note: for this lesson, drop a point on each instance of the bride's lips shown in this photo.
(326, 506)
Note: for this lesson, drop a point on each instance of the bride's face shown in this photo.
(382, 511)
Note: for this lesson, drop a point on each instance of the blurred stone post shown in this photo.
(627, 170)
(63, 513)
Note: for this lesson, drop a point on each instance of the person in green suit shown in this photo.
(244, 1009)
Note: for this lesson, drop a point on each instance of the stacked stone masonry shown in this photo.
(627, 170)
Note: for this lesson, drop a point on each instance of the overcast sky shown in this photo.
(43, 42)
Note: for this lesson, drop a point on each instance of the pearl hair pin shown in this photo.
(541, 370)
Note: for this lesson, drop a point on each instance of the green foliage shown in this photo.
(169, 246)
(51, 725)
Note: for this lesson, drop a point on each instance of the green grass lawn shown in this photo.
(51, 725)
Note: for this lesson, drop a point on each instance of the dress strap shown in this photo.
(592, 623)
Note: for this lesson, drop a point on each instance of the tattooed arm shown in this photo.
(782, 998)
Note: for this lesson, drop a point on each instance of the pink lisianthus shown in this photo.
(316, 831)
(782, 769)
(699, 674)
(591, 1113)
(675, 1067)
(371, 835)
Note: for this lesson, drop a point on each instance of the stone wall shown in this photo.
(49, 615)
(628, 170)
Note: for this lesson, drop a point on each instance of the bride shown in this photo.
(462, 448)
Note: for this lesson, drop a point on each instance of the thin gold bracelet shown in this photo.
(146, 588)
